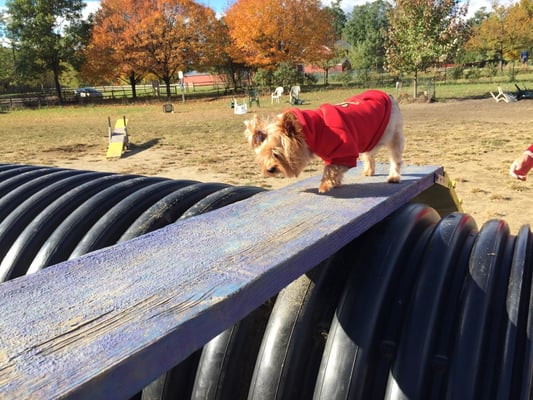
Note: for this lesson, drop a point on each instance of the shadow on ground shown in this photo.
(138, 148)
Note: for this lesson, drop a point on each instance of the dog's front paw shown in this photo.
(325, 186)
(332, 177)
(393, 179)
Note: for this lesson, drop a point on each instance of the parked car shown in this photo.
(88, 92)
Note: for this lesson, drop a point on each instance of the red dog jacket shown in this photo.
(338, 133)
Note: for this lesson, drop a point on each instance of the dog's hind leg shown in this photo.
(395, 143)
(396, 146)
(395, 161)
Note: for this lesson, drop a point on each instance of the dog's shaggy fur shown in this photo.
(281, 148)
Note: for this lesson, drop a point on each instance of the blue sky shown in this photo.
(347, 5)
(220, 5)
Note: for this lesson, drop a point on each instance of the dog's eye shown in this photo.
(276, 154)
(259, 137)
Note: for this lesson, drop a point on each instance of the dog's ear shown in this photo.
(254, 133)
(289, 124)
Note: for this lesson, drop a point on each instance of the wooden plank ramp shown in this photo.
(105, 325)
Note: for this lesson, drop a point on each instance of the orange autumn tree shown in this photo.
(265, 33)
(157, 37)
(175, 35)
(111, 53)
(520, 27)
(505, 32)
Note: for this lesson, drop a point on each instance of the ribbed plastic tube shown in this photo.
(418, 307)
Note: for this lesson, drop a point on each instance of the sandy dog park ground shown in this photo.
(474, 140)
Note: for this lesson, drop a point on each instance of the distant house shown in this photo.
(340, 67)
(194, 79)
(341, 47)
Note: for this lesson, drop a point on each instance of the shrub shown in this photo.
(310, 79)
(286, 75)
(472, 74)
(263, 78)
(492, 70)
(456, 72)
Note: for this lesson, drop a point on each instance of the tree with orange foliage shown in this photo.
(174, 35)
(265, 33)
(161, 37)
(111, 53)
(505, 32)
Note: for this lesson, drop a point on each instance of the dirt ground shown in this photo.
(474, 140)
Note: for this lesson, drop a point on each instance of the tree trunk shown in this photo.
(500, 55)
(167, 85)
(415, 85)
(133, 87)
(57, 84)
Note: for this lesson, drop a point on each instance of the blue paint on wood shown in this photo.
(110, 322)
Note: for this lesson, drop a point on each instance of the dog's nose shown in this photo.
(272, 170)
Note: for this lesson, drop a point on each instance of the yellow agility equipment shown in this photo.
(118, 138)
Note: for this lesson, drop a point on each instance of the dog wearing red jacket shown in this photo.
(338, 134)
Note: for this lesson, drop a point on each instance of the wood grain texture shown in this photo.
(105, 325)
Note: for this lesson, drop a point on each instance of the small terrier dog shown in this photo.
(337, 134)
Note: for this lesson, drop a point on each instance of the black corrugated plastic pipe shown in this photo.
(417, 307)
(48, 214)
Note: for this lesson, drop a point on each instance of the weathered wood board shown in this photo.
(105, 325)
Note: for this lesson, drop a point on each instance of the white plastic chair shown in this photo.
(502, 96)
(239, 109)
(277, 94)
